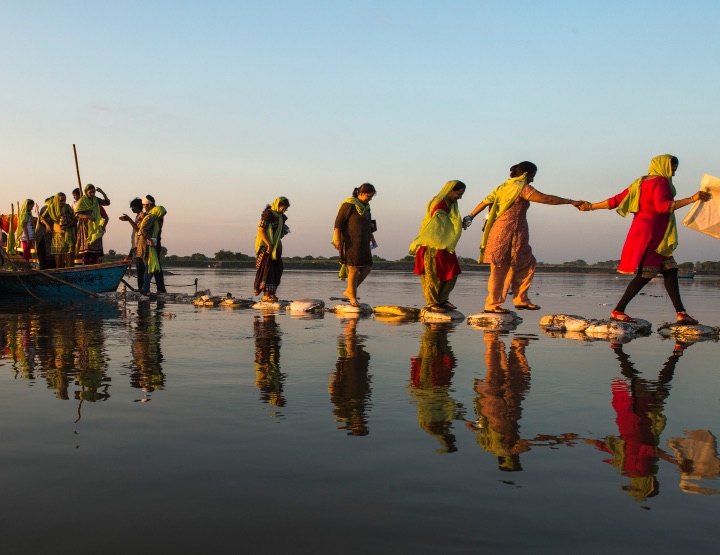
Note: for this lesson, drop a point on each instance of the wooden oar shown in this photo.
(77, 169)
(91, 293)
(130, 286)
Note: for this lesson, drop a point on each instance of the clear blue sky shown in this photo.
(216, 108)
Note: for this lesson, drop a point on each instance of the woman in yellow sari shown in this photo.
(434, 247)
(61, 220)
(268, 249)
(506, 237)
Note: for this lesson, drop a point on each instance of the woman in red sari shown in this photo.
(653, 234)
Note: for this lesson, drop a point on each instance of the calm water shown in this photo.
(168, 427)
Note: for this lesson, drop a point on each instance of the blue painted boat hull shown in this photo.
(99, 278)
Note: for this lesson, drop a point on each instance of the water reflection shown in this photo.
(268, 377)
(639, 405)
(63, 347)
(499, 402)
(431, 375)
(146, 372)
(350, 383)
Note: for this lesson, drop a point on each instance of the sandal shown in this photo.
(528, 306)
(436, 308)
(448, 305)
(619, 316)
(498, 310)
(685, 319)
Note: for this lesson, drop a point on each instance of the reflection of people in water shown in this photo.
(498, 404)
(91, 362)
(268, 377)
(697, 457)
(431, 374)
(639, 406)
(350, 383)
(146, 369)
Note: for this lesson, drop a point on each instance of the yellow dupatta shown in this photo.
(275, 236)
(440, 230)
(661, 166)
(364, 211)
(501, 199)
(23, 217)
(87, 204)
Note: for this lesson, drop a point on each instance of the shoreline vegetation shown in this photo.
(230, 260)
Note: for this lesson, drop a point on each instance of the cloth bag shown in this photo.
(705, 216)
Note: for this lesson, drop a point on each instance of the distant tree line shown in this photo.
(227, 255)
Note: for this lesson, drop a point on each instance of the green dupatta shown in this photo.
(23, 218)
(87, 204)
(501, 199)
(440, 230)
(153, 261)
(273, 236)
(661, 166)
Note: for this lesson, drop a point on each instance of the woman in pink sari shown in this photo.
(652, 238)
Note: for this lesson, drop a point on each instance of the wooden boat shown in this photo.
(686, 274)
(60, 283)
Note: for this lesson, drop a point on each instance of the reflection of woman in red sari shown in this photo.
(431, 374)
(639, 405)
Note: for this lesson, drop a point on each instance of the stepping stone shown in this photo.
(449, 316)
(398, 311)
(267, 305)
(689, 333)
(494, 320)
(306, 305)
(206, 300)
(565, 322)
(349, 309)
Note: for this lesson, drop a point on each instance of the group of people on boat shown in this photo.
(505, 244)
(64, 234)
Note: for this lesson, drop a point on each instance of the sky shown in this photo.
(216, 108)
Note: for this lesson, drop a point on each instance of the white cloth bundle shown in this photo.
(705, 216)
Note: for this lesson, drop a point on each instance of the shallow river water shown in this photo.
(155, 426)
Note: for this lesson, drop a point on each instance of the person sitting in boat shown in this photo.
(91, 226)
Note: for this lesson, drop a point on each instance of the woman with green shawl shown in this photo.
(353, 237)
(146, 246)
(434, 247)
(91, 225)
(268, 249)
(60, 219)
(506, 237)
(652, 238)
(25, 231)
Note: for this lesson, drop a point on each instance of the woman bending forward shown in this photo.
(434, 247)
(268, 248)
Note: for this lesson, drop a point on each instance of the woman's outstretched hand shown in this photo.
(582, 205)
(703, 196)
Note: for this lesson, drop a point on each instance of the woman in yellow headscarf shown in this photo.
(434, 247)
(91, 226)
(506, 237)
(25, 231)
(61, 221)
(353, 236)
(268, 248)
(652, 237)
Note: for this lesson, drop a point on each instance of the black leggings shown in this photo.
(638, 282)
